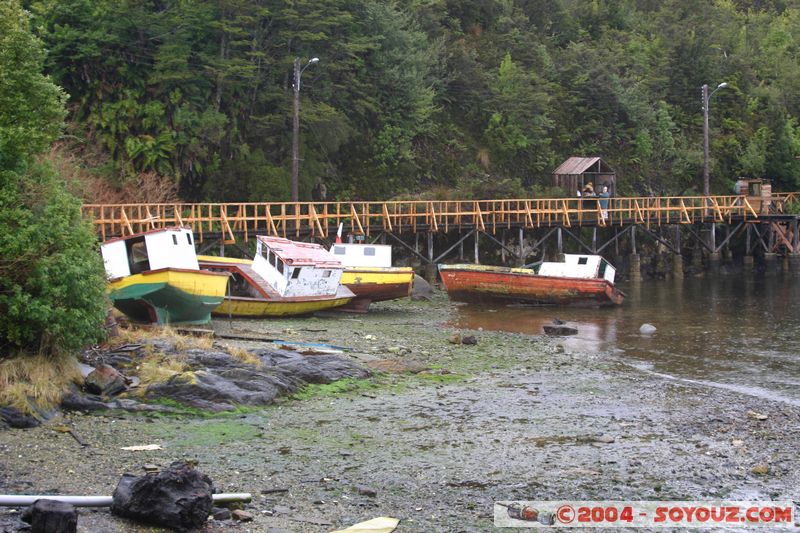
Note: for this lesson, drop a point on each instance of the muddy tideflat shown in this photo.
(516, 416)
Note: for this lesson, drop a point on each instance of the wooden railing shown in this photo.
(321, 219)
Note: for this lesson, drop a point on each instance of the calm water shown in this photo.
(734, 332)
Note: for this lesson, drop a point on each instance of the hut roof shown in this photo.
(579, 165)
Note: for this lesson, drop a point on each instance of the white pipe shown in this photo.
(9, 500)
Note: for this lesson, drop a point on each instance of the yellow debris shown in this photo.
(382, 524)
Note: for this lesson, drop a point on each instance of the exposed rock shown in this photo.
(242, 516)
(605, 439)
(219, 381)
(76, 400)
(50, 516)
(220, 513)
(105, 380)
(647, 329)
(469, 340)
(455, 338)
(13, 417)
(393, 366)
(421, 289)
(178, 497)
(560, 331)
(366, 491)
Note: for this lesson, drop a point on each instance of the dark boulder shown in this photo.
(560, 331)
(13, 417)
(177, 497)
(51, 516)
(75, 400)
(105, 380)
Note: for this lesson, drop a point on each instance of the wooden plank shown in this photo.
(354, 217)
(387, 224)
(126, 222)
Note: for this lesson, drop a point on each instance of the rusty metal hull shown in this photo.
(527, 287)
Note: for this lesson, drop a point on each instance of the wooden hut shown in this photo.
(574, 173)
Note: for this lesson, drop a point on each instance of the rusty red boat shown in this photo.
(586, 280)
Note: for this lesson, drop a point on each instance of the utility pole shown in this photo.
(706, 179)
(296, 127)
(296, 133)
(706, 100)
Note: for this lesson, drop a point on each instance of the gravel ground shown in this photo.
(513, 417)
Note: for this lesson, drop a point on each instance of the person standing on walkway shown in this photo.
(603, 200)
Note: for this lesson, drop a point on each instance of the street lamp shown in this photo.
(296, 126)
(706, 98)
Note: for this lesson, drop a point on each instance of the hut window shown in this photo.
(296, 273)
(326, 274)
(174, 239)
(189, 239)
(338, 250)
(369, 250)
(583, 260)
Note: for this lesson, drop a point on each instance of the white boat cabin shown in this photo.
(363, 255)
(579, 266)
(151, 250)
(297, 269)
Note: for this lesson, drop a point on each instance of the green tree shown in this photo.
(51, 275)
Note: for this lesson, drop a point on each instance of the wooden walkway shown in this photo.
(321, 219)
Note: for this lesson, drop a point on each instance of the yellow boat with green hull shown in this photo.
(155, 277)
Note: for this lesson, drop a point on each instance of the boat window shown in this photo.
(279, 265)
(296, 273)
(189, 238)
(603, 266)
(583, 260)
(339, 250)
(174, 239)
(369, 250)
(326, 274)
(270, 257)
(138, 261)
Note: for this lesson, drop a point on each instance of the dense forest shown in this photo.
(469, 98)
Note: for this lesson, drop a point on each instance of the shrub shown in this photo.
(51, 275)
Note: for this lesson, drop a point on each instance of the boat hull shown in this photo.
(376, 285)
(169, 296)
(267, 303)
(478, 284)
(241, 307)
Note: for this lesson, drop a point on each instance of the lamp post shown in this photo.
(706, 98)
(296, 126)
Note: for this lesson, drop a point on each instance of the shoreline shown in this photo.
(513, 417)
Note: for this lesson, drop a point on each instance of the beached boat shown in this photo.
(286, 278)
(578, 280)
(155, 277)
(369, 273)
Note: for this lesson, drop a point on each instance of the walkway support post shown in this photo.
(635, 269)
(677, 258)
(748, 250)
